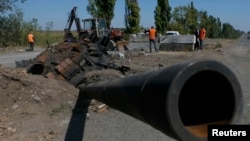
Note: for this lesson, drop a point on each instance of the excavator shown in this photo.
(96, 30)
(68, 36)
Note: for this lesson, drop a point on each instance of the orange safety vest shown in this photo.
(202, 34)
(152, 34)
(31, 38)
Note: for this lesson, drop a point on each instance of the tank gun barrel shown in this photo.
(180, 100)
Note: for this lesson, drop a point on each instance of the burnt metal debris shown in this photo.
(68, 61)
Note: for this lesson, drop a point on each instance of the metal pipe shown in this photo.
(180, 100)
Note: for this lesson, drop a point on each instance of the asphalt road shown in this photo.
(9, 59)
(238, 59)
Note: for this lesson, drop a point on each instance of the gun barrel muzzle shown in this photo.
(180, 100)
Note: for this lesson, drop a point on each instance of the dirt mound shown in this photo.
(29, 103)
(37, 108)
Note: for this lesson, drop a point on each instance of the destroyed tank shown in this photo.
(69, 61)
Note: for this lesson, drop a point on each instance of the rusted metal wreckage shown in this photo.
(70, 60)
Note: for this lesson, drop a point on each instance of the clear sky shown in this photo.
(235, 12)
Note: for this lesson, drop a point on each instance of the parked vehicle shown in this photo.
(172, 33)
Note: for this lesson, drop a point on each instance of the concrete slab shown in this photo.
(177, 43)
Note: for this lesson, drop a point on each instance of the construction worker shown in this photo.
(152, 38)
(202, 35)
(31, 41)
(197, 42)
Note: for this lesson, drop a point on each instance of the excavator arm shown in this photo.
(68, 36)
(71, 18)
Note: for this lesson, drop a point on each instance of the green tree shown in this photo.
(102, 9)
(132, 16)
(191, 18)
(162, 15)
(179, 18)
(203, 17)
(10, 25)
(186, 18)
(11, 28)
(92, 8)
(214, 27)
(229, 32)
(8, 5)
(174, 25)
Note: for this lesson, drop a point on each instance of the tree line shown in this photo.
(186, 18)
(14, 30)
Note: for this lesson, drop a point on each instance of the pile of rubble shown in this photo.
(69, 61)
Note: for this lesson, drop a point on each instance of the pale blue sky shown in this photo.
(235, 12)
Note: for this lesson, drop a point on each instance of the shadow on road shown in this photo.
(76, 126)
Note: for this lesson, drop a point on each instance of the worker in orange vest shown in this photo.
(152, 38)
(202, 35)
(31, 41)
